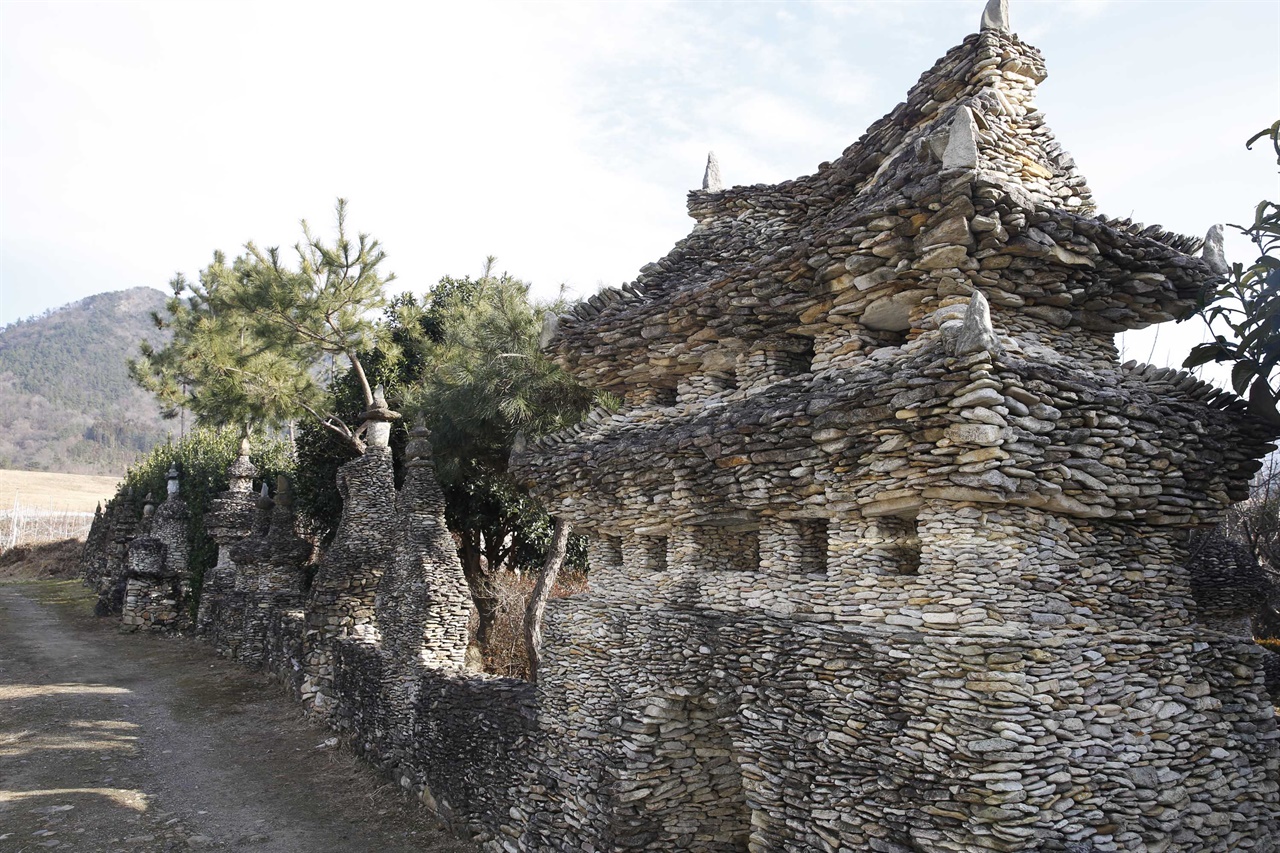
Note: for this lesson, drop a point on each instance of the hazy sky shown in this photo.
(136, 138)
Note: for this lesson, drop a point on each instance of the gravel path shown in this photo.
(142, 743)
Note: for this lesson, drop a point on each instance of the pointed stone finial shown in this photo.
(976, 333)
(264, 497)
(378, 419)
(996, 16)
(1214, 253)
(711, 178)
(148, 505)
(419, 444)
(520, 443)
(173, 480)
(240, 472)
(962, 141)
(550, 325)
(284, 491)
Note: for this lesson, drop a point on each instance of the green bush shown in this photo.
(202, 458)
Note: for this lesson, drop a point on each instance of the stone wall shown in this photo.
(888, 550)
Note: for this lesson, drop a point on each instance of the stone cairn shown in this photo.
(423, 602)
(888, 550)
(156, 563)
(230, 519)
(270, 574)
(229, 630)
(343, 593)
(106, 573)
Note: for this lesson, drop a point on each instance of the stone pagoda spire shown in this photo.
(229, 520)
(711, 177)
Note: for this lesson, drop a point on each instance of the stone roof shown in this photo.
(793, 349)
(761, 259)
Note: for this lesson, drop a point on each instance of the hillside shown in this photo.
(65, 395)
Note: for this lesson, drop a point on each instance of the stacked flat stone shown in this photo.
(172, 518)
(271, 575)
(149, 596)
(109, 576)
(228, 631)
(423, 602)
(93, 556)
(229, 520)
(1227, 582)
(889, 551)
(343, 593)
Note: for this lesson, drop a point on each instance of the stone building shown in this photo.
(889, 551)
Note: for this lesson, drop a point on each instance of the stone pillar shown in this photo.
(230, 519)
(122, 530)
(245, 554)
(341, 603)
(151, 594)
(423, 602)
(275, 580)
(170, 527)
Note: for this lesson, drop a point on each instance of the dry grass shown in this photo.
(507, 654)
(49, 560)
(36, 506)
(54, 492)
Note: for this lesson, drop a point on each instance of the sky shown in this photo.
(138, 137)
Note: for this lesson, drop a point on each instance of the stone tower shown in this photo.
(341, 602)
(889, 551)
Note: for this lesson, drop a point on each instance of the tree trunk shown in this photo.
(542, 594)
(481, 598)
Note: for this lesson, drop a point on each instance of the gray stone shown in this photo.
(1214, 253)
(996, 16)
(711, 177)
(962, 141)
(976, 333)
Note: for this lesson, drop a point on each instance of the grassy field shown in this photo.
(54, 492)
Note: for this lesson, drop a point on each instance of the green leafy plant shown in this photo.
(1247, 303)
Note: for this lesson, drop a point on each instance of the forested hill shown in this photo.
(66, 400)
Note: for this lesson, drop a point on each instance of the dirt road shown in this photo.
(138, 743)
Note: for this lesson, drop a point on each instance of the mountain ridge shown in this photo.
(65, 392)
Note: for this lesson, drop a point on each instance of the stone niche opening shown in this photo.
(653, 553)
(811, 540)
(776, 359)
(728, 543)
(681, 786)
(902, 543)
(661, 396)
(611, 550)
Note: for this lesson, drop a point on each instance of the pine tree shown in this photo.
(247, 338)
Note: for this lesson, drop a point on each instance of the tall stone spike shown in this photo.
(173, 480)
(711, 177)
(962, 142)
(1213, 252)
(996, 16)
(550, 325)
(976, 333)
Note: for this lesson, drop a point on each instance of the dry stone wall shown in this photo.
(930, 590)
(888, 551)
